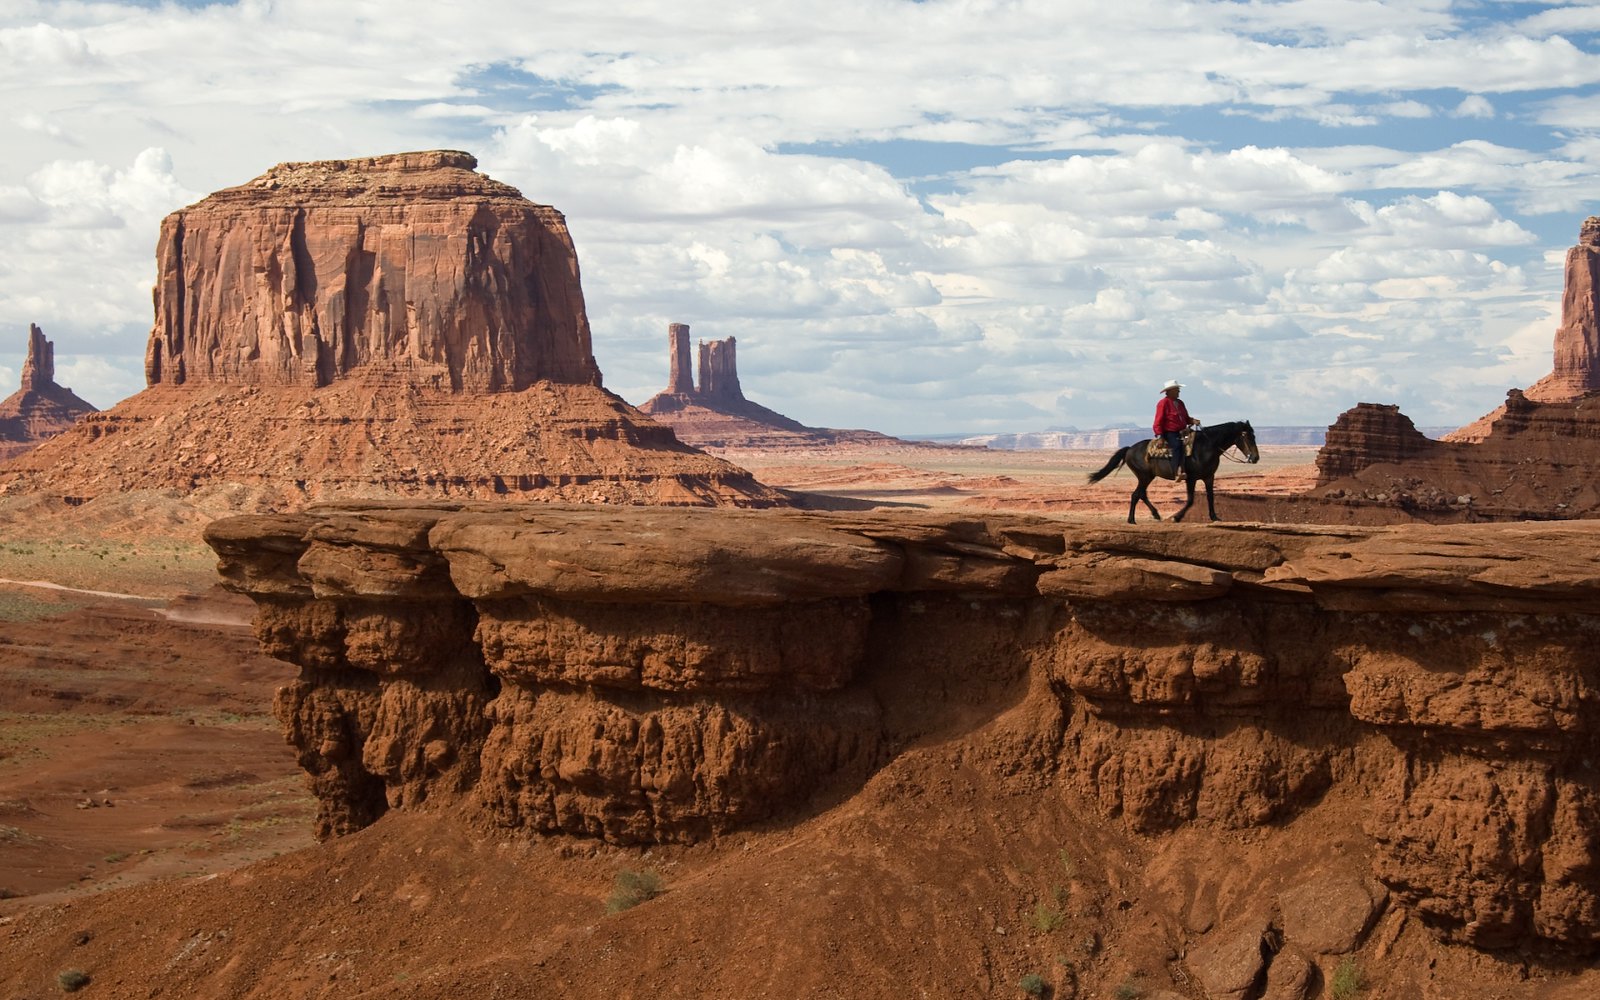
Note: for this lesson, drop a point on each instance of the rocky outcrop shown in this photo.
(1577, 343)
(390, 326)
(410, 268)
(1537, 461)
(715, 413)
(40, 409)
(655, 675)
(1369, 434)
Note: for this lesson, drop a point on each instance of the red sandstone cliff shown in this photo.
(394, 325)
(676, 676)
(412, 267)
(40, 409)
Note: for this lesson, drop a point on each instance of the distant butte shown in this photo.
(394, 325)
(41, 409)
(715, 413)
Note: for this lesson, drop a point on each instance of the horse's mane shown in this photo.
(1214, 431)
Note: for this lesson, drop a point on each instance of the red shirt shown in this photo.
(1171, 415)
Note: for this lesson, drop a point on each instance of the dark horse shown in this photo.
(1200, 463)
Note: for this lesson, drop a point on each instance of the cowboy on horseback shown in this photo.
(1172, 419)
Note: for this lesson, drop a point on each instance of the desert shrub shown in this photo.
(1046, 919)
(633, 888)
(1033, 984)
(72, 980)
(1346, 982)
(1127, 990)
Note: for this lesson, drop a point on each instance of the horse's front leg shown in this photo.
(1189, 486)
(1211, 503)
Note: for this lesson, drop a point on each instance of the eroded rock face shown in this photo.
(1369, 434)
(410, 268)
(670, 675)
(40, 409)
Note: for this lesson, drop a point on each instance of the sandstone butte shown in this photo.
(714, 412)
(40, 409)
(396, 325)
(1413, 708)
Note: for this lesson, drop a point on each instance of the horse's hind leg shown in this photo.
(1142, 493)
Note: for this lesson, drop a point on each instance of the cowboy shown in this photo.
(1172, 419)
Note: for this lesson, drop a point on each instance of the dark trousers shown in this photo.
(1174, 440)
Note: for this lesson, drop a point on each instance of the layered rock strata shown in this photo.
(40, 409)
(411, 267)
(714, 413)
(1369, 434)
(657, 675)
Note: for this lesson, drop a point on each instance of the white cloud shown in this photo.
(98, 380)
(969, 207)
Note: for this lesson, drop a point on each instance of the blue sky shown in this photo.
(933, 217)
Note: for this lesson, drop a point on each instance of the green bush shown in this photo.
(72, 980)
(1346, 982)
(1127, 990)
(633, 888)
(1033, 984)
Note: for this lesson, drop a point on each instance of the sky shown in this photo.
(941, 217)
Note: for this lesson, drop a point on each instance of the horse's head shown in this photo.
(1246, 443)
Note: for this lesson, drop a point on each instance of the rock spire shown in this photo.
(40, 409)
(1577, 343)
(39, 370)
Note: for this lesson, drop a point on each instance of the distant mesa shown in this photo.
(390, 325)
(41, 409)
(715, 413)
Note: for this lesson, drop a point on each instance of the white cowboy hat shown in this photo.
(1172, 383)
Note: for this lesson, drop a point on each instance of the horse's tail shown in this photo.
(1111, 466)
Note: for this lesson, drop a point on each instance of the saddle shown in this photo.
(1157, 450)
